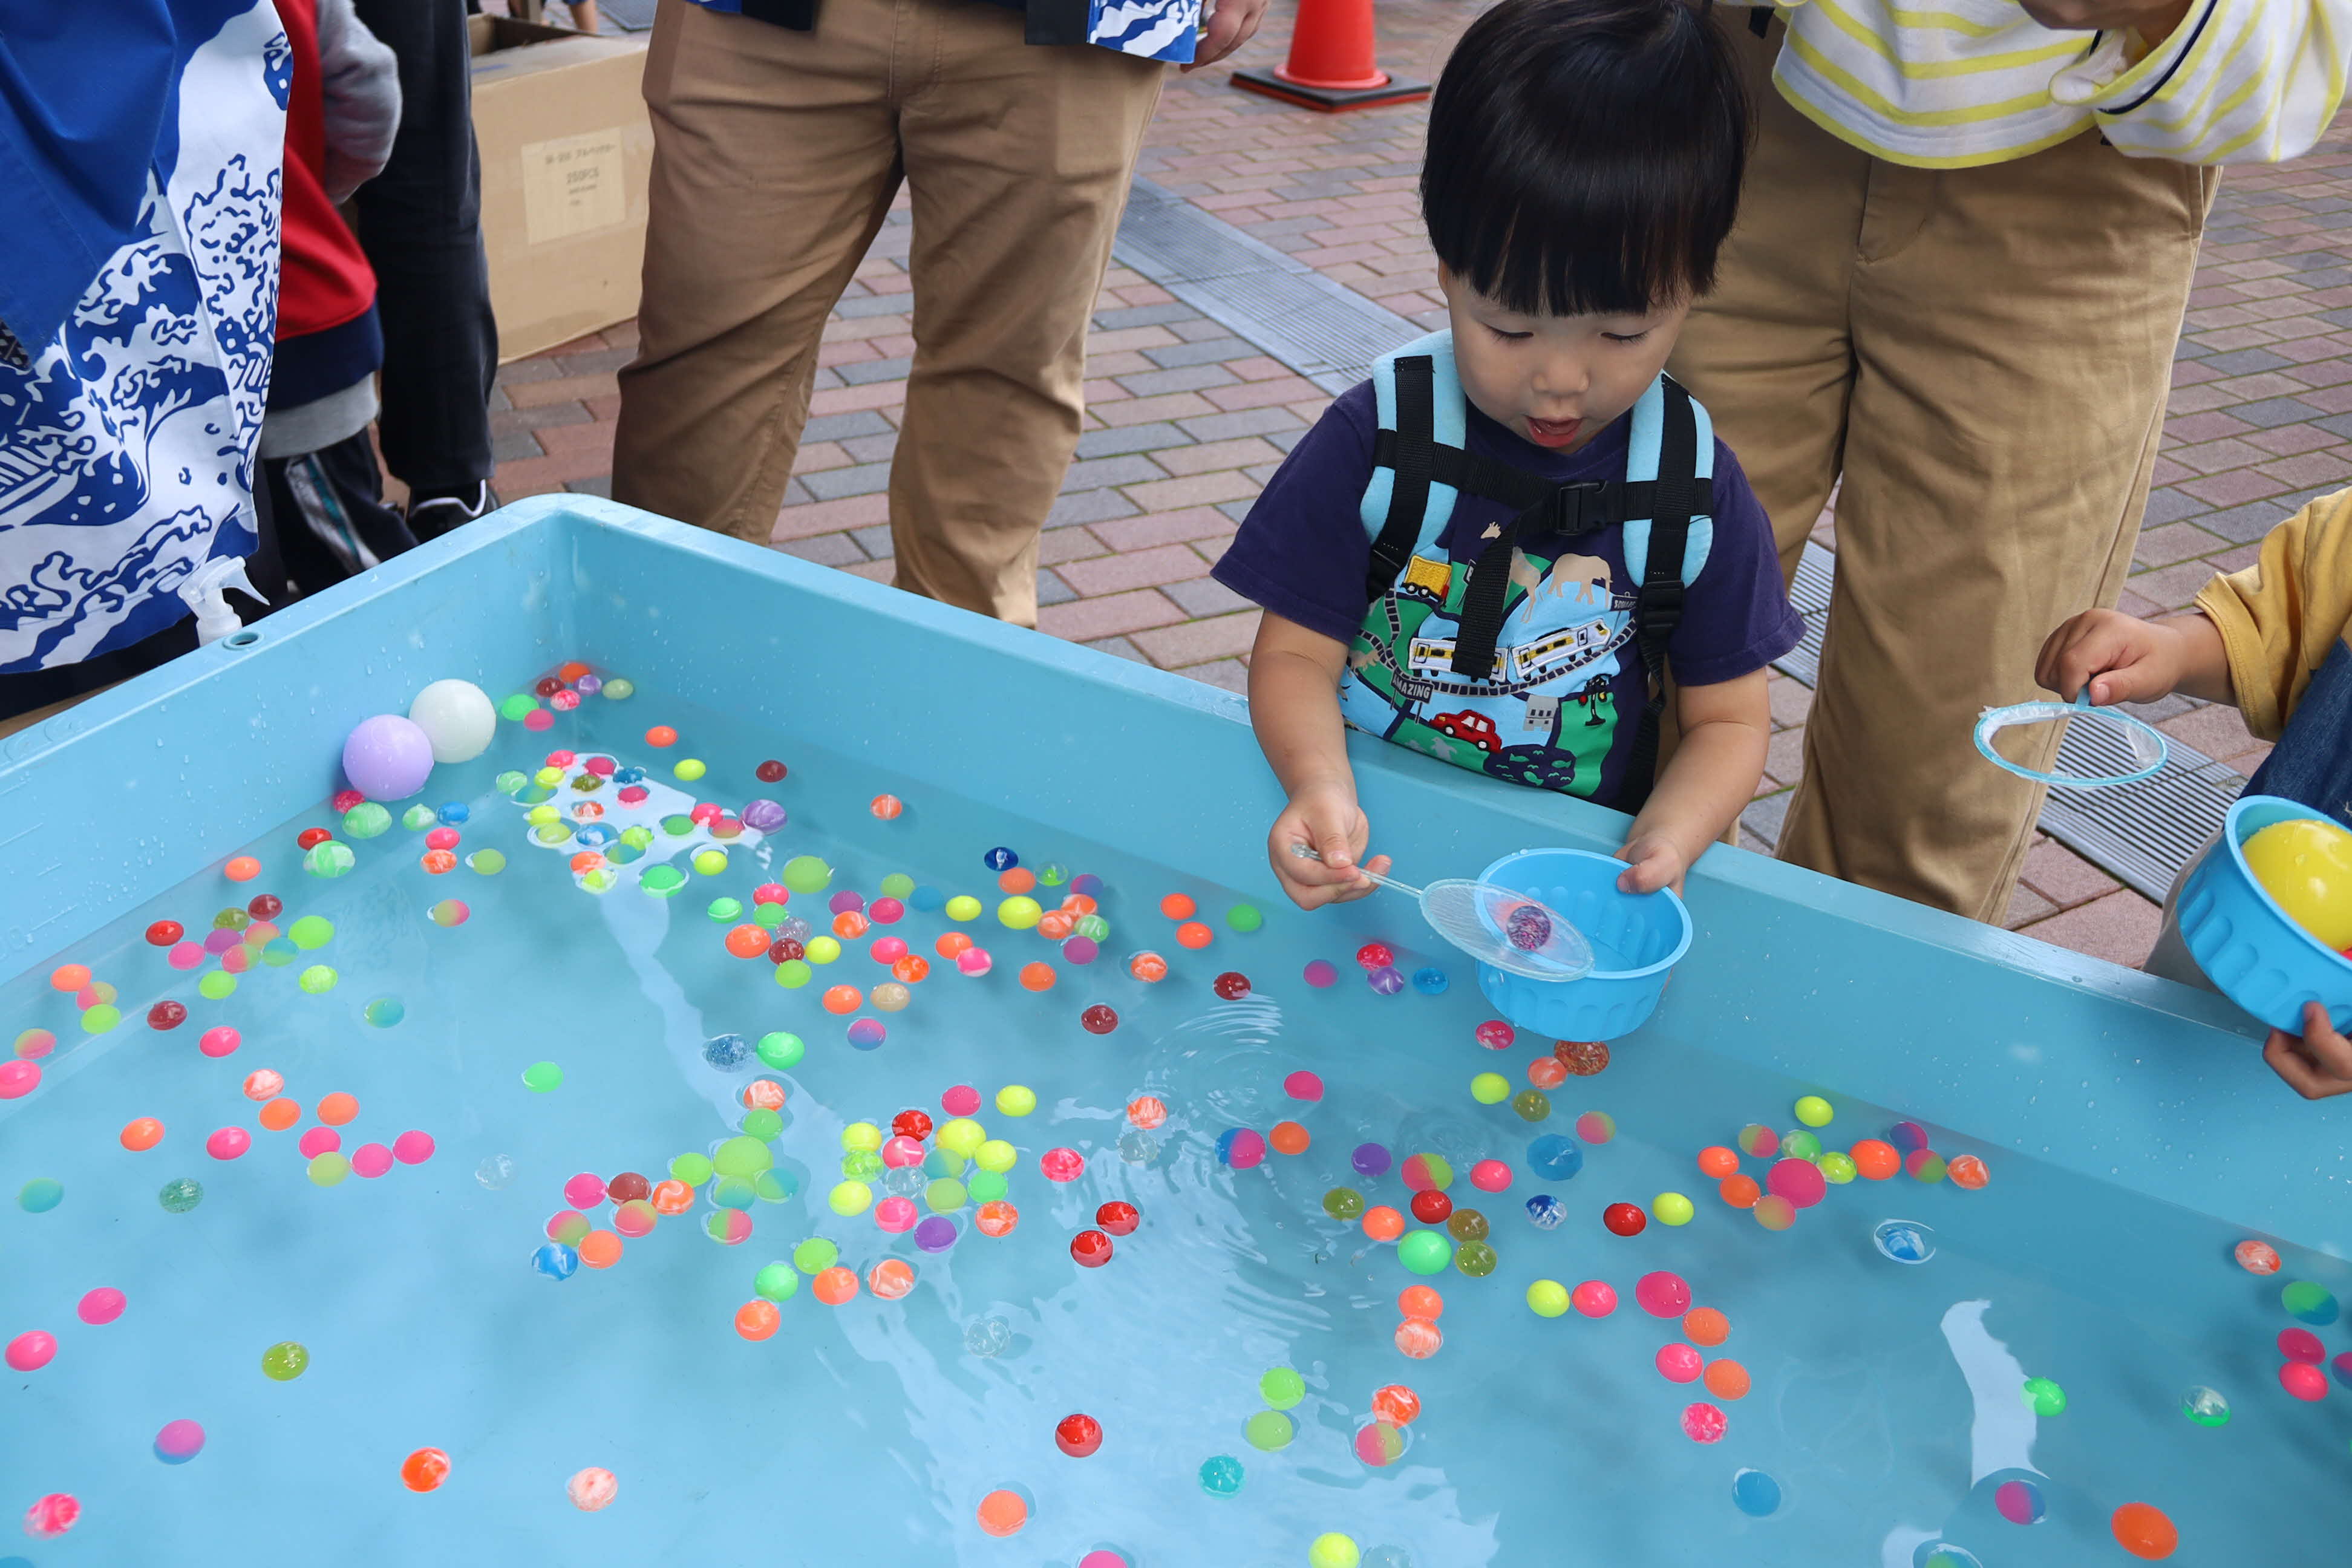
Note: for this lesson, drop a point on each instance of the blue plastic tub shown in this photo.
(2245, 943)
(1636, 938)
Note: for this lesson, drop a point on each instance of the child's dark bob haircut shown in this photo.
(1585, 156)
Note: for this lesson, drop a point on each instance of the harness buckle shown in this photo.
(1576, 508)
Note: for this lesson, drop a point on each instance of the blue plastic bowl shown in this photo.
(1637, 938)
(2245, 943)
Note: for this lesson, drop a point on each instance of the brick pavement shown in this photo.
(1185, 422)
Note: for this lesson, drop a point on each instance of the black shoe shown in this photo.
(436, 512)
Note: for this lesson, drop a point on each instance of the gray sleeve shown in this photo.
(360, 78)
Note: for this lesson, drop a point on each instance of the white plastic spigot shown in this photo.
(204, 593)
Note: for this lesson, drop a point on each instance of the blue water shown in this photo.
(1884, 1403)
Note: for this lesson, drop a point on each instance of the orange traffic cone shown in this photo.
(1331, 65)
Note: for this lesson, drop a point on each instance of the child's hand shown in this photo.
(1654, 860)
(1328, 820)
(2123, 659)
(2317, 1065)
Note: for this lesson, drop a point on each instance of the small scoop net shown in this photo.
(1495, 925)
(2101, 747)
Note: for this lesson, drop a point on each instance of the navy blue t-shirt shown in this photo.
(1563, 703)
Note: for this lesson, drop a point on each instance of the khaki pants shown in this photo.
(1983, 354)
(776, 154)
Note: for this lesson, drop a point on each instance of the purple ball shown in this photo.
(387, 758)
(1080, 950)
(1387, 980)
(1370, 1160)
(846, 902)
(1087, 882)
(179, 1441)
(763, 815)
(936, 1234)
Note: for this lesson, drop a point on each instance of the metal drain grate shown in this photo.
(2142, 833)
(1325, 331)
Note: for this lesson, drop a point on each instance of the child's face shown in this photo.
(1556, 381)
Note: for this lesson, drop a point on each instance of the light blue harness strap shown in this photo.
(1449, 426)
(1642, 464)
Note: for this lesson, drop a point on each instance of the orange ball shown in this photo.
(1727, 1379)
(1289, 1137)
(242, 869)
(1003, 1513)
(281, 1113)
(661, 735)
(1968, 1171)
(569, 672)
(1718, 1162)
(439, 862)
(1418, 1338)
(996, 1217)
(1193, 933)
(886, 806)
(69, 977)
(588, 810)
(1148, 967)
(849, 925)
(890, 1278)
(834, 1285)
(763, 1094)
(585, 861)
(1547, 1072)
(425, 1469)
(1705, 1326)
(1178, 906)
(747, 942)
(910, 970)
(1396, 1405)
(1740, 1192)
(1037, 976)
(1421, 1301)
(1147, 1110)
(757, 1319)
(672, 1196)
(951, 944)
(1054, 925)
(338, 1109)
(2142, 1529)
(142, 1134)
(843, 998)
(1383, 1223)
(1875, 1159)
(1016, 879)
(1077, 904)
(600, 1249)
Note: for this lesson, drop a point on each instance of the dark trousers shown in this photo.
(420, 223)
(332, 520)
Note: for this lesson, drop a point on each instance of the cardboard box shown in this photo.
(566, 148)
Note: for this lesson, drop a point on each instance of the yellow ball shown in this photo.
(861, 1135)
(2307, 866)
(1837, 1168)
(540, 816)
(1490, 1089)
(1815, 1111)
(963, 906)
(548, 778)
(996, 1155)
(822, 949)
(1549, 1297)
(1016, 1099)
(852, 1197)
(1334, 1551)
(690, 769)
(1671, 1208)
(1020, 913)
(710, 862)
(962, 1136)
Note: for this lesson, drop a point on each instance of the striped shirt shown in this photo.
(1978, 81)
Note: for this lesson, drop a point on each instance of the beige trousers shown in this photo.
(776, 155)
(1984, 355)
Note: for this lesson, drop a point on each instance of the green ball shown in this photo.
(1548, 1298)
(945, 1195)
(419, 818)
(768, 917)
(776, 1186)
(541, 1077)
(780, 1050)
(1815, 1111)
(792, 973)
(661, 882)
(620, 688)
(806, 874)
(690, 769)
(851, 1198)
(763, 1123)
(1333, 1549)
(1245, 917)
(367, 820)
(330, 859)
(310, 932)
(1671, 1208)
(216, 986)
(710, 862)
(1424, 1252)
(1796, 1144)
(328, 1169)
(41, 1195)
(1475, 1259)
(816, 1255)
(1282, 1387)
(1093, 928)
(181, 1194)
(489, 862)
(724, 909)
(279, 952)
(996, 1155)
(677, 824)
(1837, 1168)
(742, 1157)
(2308, 1302)
(1269, 1430)
(552, 832)
(1532, 1104)
(1490, 1089)
(1929, 1170)
(284, 1361)
(2206, 1407)
(638, 838)
(861, 1166)
(510, 781)
(1344, 1203)
(898, 884)
(692, 1169)
(987, 1186)
(318, 979)
(518, 706)
(99, 1019)
(732, 1193)
(776, 1282)
(2043, 1397)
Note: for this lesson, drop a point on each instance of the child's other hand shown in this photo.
(1330, 821)
(2317, 1065)
(1653, 860)
(2123, 659)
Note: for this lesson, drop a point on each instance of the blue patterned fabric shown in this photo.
(128, 432)
(2312, 760)
(1152, 30)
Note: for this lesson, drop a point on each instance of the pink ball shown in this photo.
(185, 955)
(263, 1083)
(221, 939)
(31, 1350)
(180, 1440)
(52, 1516)
(317, 1141)
(218, 1041)
(371, 1160)
(585, 1191)
(2299, 1378)
(960, 1101)
(1490, 1176)
(1704, 1423)
(887, 912)
(1248, 1150)
(387, 757)
(889, 949)
(539, 718)
(1663, 1295)
(1799, 1181)
(102, 1305)
(1062, 1165)
(1594, 1299)
(441, 839)
(18, 1078)
(1080, 950)
(974, 961)
(1496, 1036)
(228, 1143)
(1677, 1363)
(901, 1152)
(771, 893)
(2302, 1345)
(1303, 1085)
(1102, 1560)
(895, 1215)
(412, 1147)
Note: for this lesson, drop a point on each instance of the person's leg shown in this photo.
(331, 519)
(420, 223)
(1768, 353)
(2014, 328)
(775, 157)
(1018, 158)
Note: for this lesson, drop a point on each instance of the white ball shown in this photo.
(457, 716)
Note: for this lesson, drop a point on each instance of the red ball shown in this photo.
(1077, 1435)
(1375, 955)
(1430, 1206)
(346, 798)
(547, 686)
(265, 907)
(1091, 1248)
(2303, 1380)
(1098, 1019)
(167, 1015)
(911, 1124)
(1118, 1218)
(163, 933)
(1625, 1219)
(311, 837)
(1232, 987)
(770, 770)
(783, 950)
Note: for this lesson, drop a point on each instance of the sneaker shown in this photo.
(436, 512)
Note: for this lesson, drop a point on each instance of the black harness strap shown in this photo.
(1482, 605)
(1658, 609)
(1411, 454)
(1593, 503)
